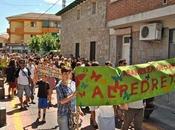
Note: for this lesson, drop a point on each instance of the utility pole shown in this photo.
(63, 3)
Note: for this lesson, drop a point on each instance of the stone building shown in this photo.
(141, 31)
(84, 30)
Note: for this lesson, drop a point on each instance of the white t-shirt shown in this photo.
(22, 78)
(136, 105)
(105, 111)
(32, 70)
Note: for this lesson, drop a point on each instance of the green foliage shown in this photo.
(49, 42)
(45, 43)
(35, 43)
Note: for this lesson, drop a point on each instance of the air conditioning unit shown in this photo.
(151, 32)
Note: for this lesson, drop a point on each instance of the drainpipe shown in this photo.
(169, 45)
(131, 46)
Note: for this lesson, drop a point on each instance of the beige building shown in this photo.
(24, 26)
(83, 30)
(3, 41)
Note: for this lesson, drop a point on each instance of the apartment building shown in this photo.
(24, 26)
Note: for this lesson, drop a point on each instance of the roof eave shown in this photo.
(70, 6)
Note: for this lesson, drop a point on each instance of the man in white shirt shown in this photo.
(23, 79)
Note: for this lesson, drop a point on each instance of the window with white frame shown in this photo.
(33, 24)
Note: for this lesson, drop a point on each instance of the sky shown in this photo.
(15, 7)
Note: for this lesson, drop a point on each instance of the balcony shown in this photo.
(50, 30)
(19, 30)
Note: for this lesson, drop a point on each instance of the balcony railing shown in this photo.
(19, 30)
(50, 30)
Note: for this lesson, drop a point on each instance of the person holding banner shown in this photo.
(52, 82)
(65, 90)
(133, 112)
(106, 114)
(93, 108)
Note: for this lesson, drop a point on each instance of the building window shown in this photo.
(33, 24)
(53, 24)
(31, 35)
(94, 7)
(45, 23)
(77, 50)
(78, 14)
(126, 39)
(172, 36)
(112, 1)
(165, 2)
(92, 50)
(0, 45)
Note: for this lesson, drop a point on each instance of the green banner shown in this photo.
(112, 86)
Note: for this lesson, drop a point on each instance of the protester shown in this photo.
(31, 67)
(66, 99)
(52, 83)
(23, 81)
(10, 78)
(93, 108)
(43, 92)
(105, 114)
(133, 112)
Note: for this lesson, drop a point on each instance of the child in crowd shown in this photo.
(43, 92)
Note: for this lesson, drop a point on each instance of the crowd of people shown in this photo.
(22, 76)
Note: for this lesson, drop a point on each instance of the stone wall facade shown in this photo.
(90, 27)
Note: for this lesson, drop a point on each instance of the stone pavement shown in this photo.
(26, 119)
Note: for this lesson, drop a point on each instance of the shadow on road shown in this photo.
(34, 125)
(16, 111)
(88, 128)
(6, 99)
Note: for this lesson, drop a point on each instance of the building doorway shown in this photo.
(77, 50)
(172, 43)
(126, 48)
(92, 50)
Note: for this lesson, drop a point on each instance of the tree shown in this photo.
(49, 42)
(44, 43)
(34, 44)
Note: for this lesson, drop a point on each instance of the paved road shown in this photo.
(26, 119)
